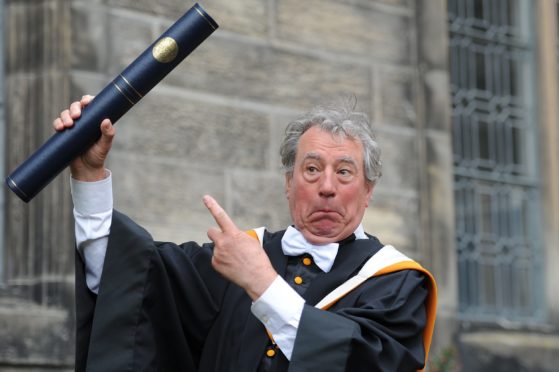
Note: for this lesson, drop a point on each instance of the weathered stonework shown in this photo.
(249, 18)
(392, 218)
(214, 125)
(34, 334)
(506, 351)
(401, 165)
(125, 44)
(258, 199)
(36, 298)
(268, 75)
(165, 195)
(342, 28)
(435, 178)
(396, 89)
(173, 127)
(89, 51)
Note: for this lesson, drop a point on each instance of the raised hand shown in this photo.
(237, 256)
(89, 166)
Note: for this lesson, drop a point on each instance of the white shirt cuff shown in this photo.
(92, 197)
(93, 210)
(279, 309)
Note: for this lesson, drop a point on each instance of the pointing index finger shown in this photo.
(219, 214)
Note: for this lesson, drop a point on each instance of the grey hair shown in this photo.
(342, 121)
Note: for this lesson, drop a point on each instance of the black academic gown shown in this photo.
(162, 307)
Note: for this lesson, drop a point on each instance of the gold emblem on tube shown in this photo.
(165, 50)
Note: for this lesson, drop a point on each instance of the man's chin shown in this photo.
(322, 235)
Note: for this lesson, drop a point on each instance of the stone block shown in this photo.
(130, 36)
(19, 117)
(34, 335)
(437, 101)
(201, 134)
(431, 18)
(406, 3)
(279, 123)
(269, 75)
(441, 248)
(400, 161)
(342, 28)
(8, 368)
(32, 42)
(82, 83)
(89, 49)
(394, 219)
(165, 195)
(32, 234)
(247, 17)
(509, 351)
(258, 199)
(396, 92)
(16, 50)
(166, 7)
(374, 4)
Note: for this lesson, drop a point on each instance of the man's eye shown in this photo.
(312, 169)
(344, 172)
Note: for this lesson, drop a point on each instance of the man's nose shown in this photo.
(327, 188)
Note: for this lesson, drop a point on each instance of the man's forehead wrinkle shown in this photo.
(312, 155)
(347, 159)
(315, 156)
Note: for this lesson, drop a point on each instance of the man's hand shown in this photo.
(237, 256)
(89, 166)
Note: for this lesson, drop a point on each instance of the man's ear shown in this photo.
(288, 180)
(370, 187)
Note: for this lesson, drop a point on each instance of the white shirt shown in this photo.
(279, 308)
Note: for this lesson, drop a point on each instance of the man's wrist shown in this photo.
(259, 286)
(92, 175)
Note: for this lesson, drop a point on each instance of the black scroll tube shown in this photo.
(112, 102)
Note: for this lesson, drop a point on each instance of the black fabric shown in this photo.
(376, 329)
(85, 305)
(295, 268)
(162, 307)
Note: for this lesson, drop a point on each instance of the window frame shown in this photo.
(480, 309)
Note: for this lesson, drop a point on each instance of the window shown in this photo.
(496, 188)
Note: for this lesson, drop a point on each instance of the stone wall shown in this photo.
(508, 351)
(214, 126)
(36, 291)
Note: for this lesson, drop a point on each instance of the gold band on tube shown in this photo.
(130, 85)
(124, 95)
(207, 20)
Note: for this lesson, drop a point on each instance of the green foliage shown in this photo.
(446, 360)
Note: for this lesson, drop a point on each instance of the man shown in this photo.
(246, 302)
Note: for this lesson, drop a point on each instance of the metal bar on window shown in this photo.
(497, 184)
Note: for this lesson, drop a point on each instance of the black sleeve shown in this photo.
(155, 305)
(377, 327)
(85, 305)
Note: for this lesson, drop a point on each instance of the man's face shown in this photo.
(328, 191)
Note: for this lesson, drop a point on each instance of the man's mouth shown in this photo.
(325, 213)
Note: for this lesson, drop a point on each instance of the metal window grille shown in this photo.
(495, 160)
